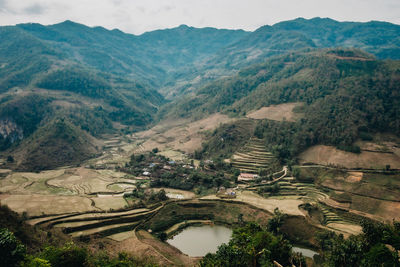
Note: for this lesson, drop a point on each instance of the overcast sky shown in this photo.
(138, 16)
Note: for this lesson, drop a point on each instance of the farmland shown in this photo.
(109, 198)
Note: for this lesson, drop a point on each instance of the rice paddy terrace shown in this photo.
(308, 193)
(100, 224)
(252, 157)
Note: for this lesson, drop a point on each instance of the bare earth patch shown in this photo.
(181, 135)
(176, 192)
(354, 177)
(279, 112)
(326, 155)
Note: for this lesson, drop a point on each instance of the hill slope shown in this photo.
(346, 94)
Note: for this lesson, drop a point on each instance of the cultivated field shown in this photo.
(286, 205)
(252, 157)
(65, 190)
(281, 112)
(328, 155)
(37, 205)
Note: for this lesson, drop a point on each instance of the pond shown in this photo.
(305, 251)
(197, 241)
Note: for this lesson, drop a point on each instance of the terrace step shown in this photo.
(70, 227)
(106, 230)
(99, 216)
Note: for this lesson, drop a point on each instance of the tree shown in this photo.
(32, 261)
(251, 246)
(68, 256)
(380, 255)
(275, 223)
(10, 159)
(11, 249)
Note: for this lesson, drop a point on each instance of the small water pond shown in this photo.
(197, 241)
(305, 251)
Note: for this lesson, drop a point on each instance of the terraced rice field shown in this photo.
(252, 157)
(99, 223)
(309, 193)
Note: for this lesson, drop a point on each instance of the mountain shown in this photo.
(344, 93)
(378, 38)
(179, 60)
(148, 58)
(103, 81)
(91, 78)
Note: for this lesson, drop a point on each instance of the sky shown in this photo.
(138, 16)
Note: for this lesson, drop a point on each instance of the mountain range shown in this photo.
(94, 81)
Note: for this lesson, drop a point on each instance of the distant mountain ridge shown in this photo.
(175, 61)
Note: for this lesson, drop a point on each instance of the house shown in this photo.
(166, 167)
(226, 193)
(152, 165)
(247, 177)
(187, 166)
(146, 173)
(171, 162)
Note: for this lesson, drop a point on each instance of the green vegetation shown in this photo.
(226, 139)
(375, 247)
(11, 250)
(252, 246)
(57, 144)
(343, 97)
(166, 173)
(94, 77)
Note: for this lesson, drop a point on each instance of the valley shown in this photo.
(288, 136)
(92, 202)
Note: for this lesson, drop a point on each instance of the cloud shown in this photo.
(35, 9)
(3, 6)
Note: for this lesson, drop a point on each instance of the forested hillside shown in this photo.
(347, 94)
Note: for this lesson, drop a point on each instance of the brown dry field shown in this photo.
(352, 229)
(377, 209)
(180, 135)
(35, 205)
(326, 155)
(63, 191)
(70, 181)
(110, 202)
(288, 205)
(279, 112)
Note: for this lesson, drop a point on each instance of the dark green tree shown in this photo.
(11, 249)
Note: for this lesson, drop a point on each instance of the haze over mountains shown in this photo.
(91, 81)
